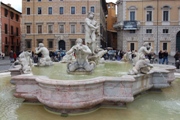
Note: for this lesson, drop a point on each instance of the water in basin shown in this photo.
(163, 105)
(58, 71)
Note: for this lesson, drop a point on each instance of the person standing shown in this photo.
(11, 56)
(160, 57)
(176, 57)
(165, 57)
(14, 56)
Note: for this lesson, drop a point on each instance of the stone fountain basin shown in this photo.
(84, 94)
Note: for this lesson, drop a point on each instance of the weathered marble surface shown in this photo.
(140, 62)
(22, 65)
(45, 60)
(84, 94)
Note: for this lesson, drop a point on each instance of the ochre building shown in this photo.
(58, 23)
(153, 21)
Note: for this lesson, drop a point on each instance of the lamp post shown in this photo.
(157, 42)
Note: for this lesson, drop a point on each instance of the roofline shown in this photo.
(111, 2)
(10, 7)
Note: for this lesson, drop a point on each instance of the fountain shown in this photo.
(68, 96)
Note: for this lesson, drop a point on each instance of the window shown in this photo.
(92, 9)
(132, 46)
(50, 10)
(12, 15)
(12, 31)
(39, 41)
(28, 11)
(17, 17)
(28, 29)
(165, 15)
(17, 42)
(6, 28)
(165, 31)
(39, 0)
(109, 6)
(5, 12)
(61, 29)
(61, 10)
(83, 10)
(28, 0)
(28, 44)
(50, 43)
(17, 32)
(72, 28)
(39, 28)
(132, 15)
(149, 16)
(39, 10)
(164, 46)
(72, 10)
(73, 42)
(6, 41)
(82, 29)
(132, 31)
(50, 0)
(12, 40)
(50, 28)
(148, 30)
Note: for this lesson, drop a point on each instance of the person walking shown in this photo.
(160, 57)
(165, 57)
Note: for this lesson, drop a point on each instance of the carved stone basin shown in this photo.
(74, 96)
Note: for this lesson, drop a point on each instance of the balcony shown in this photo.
(127, 25)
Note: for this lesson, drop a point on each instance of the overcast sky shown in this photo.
(17, 4)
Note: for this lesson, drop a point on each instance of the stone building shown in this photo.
(9, 29)
(153, 21)
(111, 20)
(58, 23)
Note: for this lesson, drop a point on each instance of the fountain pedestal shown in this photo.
(74, 96)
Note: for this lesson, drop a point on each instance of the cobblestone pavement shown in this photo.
(5, 64)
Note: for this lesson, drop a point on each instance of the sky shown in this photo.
(17, 4)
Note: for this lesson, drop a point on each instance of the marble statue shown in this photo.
(142, 52)
(91, 27)
(142, 66)
(140, 62)
(45, 60)
(24, 61)
(91, 36)
(68, 58)
(127, 56)
(81, 53)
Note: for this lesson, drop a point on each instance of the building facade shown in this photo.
(111, 20)
(153, 21)
(58, 23)
(10, 29)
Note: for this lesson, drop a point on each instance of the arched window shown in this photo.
(166, 13)
(132, 13)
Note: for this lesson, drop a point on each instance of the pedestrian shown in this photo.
(160, 57)
(118, 55)
(14, 56)
(176, 57)
(165, 57)
(11, 56)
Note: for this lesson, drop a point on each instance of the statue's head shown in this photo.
(79, 41)
(146, 44)
(41, 45)
(91, 15)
